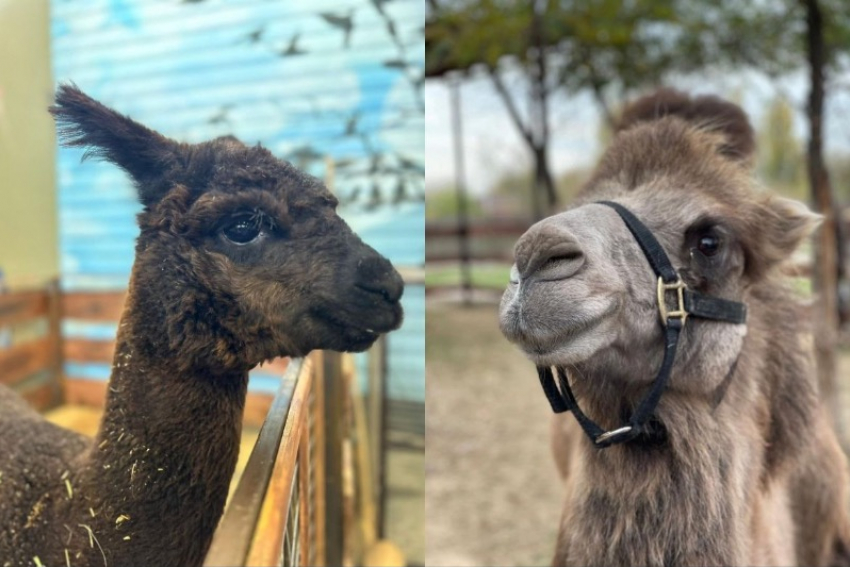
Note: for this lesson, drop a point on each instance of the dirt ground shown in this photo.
(492, 494)
(405, 522)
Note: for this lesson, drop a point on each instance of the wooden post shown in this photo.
(825, 269)
(460, 183)
(54, 332)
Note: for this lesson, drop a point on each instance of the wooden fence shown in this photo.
(491, 241)
(31, 359)
(307, 495)
(277, 514)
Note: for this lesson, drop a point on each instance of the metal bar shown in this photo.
(379, 433)
(319, 486)
(277, 509)
(233, 537)
(334, 412)
(304, 466)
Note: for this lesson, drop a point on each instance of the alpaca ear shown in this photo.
(146, 155)
(782, 225)
(707, 113)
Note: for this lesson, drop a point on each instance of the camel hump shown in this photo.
(706, 112)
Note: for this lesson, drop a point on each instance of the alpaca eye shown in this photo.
(708, 245)
(243, 231)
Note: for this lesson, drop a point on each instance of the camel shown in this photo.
(240, 258)
(737, 463)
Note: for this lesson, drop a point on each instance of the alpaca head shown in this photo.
(583, 294)
(242, 256)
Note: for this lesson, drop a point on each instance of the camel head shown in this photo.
(243, 256)
(582, 294)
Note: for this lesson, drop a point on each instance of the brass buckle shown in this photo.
(679, 312)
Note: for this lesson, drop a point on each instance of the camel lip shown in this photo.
(544, 348)
(554, 343)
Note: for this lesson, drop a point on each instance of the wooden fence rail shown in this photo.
(31, 365)
(276, 515)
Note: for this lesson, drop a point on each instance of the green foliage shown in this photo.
(781, 159)
(442, 204)
(614, 45)
(838, 165)
(491, 276)
(511, 190)
(571, 182)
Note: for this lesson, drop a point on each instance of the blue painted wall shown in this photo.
(335, 86)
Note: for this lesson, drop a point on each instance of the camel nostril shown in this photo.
(561, 259)
(548, 251)
(559, 262)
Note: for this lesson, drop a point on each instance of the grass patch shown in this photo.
(491, 276)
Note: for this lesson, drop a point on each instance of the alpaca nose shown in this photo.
(548, 252)
(376, 275)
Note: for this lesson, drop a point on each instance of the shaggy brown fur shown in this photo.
(748, 471)
(241, 258)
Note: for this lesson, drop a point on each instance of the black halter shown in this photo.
(688, 303)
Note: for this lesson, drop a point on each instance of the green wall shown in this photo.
(28, 218)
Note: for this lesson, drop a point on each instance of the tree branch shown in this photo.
(510, 105)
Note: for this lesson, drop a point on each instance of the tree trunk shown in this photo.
(544, 184)
(825, 281)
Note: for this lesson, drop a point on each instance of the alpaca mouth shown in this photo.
(351, 329)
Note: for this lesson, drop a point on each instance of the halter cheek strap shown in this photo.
(687, 303)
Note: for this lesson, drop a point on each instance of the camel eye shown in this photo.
(708, 245)
(243, 231)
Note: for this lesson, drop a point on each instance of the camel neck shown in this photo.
(166, 449)
(638, 496)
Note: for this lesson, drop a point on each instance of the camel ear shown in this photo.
(146, 155)
(708, 113)
(781, 226)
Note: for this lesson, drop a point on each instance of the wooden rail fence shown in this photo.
(277, 514)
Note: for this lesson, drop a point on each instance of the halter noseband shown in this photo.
(688, 303)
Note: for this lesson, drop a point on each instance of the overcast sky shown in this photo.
(494, 147)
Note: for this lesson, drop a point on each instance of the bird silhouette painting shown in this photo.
(344, 23)
(292, 49)
(351, 125)
(222, 116)
(254, 36)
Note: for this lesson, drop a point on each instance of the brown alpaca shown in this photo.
(740, 466)
(241, 258)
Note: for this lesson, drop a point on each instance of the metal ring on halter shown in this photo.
(610, 434)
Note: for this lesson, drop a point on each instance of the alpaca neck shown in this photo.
(166, 449)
